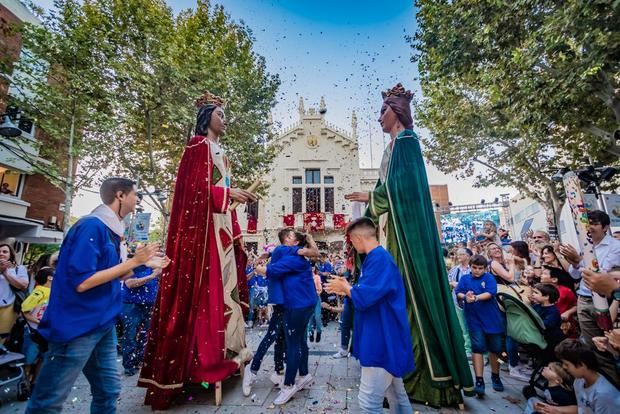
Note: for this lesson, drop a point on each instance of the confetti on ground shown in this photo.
(512, 399)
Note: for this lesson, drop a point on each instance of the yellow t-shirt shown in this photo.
(39, 296)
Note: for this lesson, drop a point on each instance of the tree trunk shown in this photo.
(69, 178)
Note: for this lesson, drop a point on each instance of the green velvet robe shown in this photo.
(442, 369)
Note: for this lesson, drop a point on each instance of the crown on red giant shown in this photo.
(209, 98)
(398, 91)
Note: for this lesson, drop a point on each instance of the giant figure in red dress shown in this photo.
(197, 331)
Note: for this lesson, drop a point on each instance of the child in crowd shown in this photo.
(484, 320)
(251, 279)
(593, 392)
(33, 309)
(566, 303)
(543, 299)
(381, 338)
(559, 391)
(463, 255)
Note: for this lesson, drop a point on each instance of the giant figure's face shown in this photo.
(387, 118)
(218, 122)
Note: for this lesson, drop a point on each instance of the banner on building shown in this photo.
(289, 220)
(252, 224)
(339, 222)
(314, 221)
(141, 224)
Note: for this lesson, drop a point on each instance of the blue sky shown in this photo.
(347, 51)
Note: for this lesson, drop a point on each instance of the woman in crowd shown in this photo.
(548, 258)
(504, 271)
(12, 278)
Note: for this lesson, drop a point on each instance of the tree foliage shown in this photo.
(134, 69)
(516, 89)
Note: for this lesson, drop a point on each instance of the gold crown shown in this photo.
(397, 91)
(208, 98)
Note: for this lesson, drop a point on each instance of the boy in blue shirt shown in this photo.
(138, 293)
(543, 299)
(251, 279)
(85, 301)
(381, 334)
(299, 300)
(484, 320)
(275, 331)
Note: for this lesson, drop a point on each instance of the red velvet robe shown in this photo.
(187, 336)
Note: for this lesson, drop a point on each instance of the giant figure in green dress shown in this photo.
(401, 204)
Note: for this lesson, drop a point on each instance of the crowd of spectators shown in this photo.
(550, 280)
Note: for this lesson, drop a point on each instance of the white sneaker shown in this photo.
(516, 373)
(285, 394)
(249, 378)
(304, 382)
(277, 379)
(340, 354)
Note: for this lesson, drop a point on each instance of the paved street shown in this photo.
(334, 391)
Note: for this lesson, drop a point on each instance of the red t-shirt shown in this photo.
(567, 299)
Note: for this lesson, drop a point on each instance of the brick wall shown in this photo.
(44, 199)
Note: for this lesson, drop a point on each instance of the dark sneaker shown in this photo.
(318, 337)
(479, 389)
(311, 336)
(497, 383)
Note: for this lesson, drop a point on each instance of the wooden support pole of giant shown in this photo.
(218, 393)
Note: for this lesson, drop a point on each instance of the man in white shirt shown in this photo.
(607, 251)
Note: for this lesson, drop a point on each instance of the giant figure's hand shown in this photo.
(242, 196)
(358, 196)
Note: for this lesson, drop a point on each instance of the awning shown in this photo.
(28, 231)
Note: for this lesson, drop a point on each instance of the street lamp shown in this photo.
(8, 128)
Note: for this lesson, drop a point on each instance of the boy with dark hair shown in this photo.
(86, 301)
(567, 301)
(381, 336)
(543, 299)
(594, 393)
(484, 320)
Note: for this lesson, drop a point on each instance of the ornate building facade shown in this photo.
(317, 164)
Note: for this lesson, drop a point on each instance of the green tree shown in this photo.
(61, 88)
(113, 83)
(514, 90)
(161, 64)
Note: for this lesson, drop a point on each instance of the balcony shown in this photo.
(329, 222)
